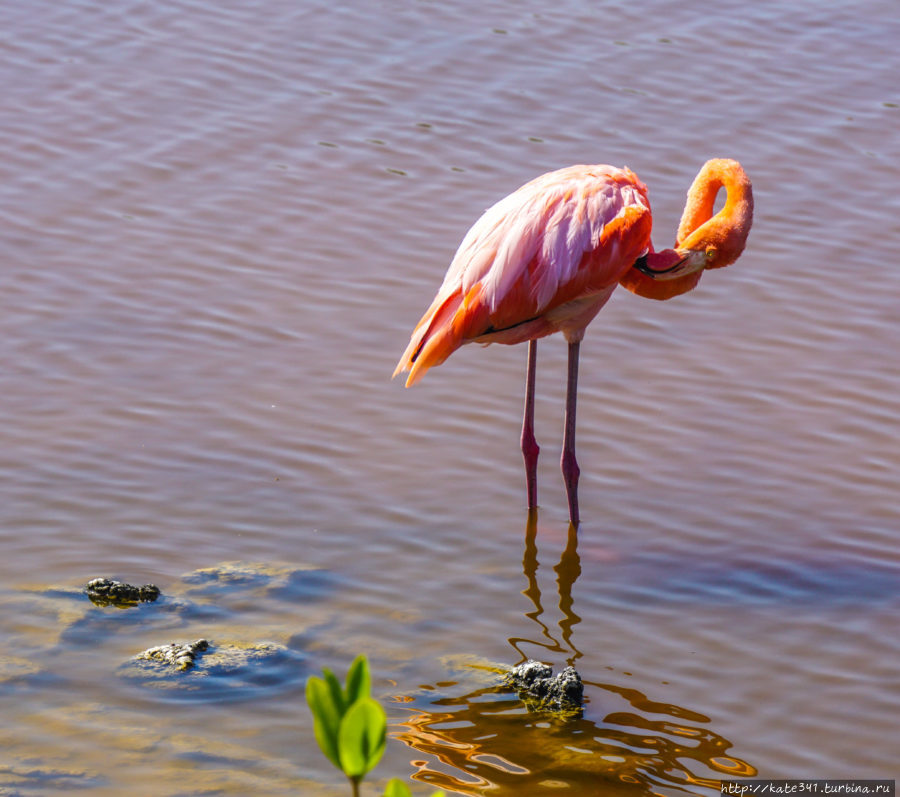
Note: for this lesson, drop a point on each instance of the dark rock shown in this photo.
(566, 690)
(536, 685)
(106, 592)
(531, 675)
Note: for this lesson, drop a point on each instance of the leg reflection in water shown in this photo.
(475, 736)
(567, 571)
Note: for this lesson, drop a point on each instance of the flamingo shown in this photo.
(546, 259)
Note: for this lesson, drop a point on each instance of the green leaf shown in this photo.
(359, 682)
(397, 788)
(337, 693)
(326, 718)
(362, 737)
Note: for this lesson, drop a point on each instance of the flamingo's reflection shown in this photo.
(567, 571)
(484, 740)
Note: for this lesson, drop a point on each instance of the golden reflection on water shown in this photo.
(487, 739)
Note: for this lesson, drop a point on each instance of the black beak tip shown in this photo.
(641, 265)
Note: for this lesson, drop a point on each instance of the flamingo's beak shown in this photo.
(662, 265)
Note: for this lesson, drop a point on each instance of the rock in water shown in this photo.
(214, 671)
(180, 655)
(566, 690)
(535, 683)
(531, 676)
(105, 591)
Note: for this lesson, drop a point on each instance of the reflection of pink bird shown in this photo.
(547, 257)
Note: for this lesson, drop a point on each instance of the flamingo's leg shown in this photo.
(570, 467)
(530, 448)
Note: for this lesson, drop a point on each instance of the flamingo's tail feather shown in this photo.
(447, 324)
(436, 317)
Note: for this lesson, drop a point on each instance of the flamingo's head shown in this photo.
(705, 248)
(705, 240)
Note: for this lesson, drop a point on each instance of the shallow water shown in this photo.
(220, 223)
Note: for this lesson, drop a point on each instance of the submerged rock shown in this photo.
(13, 668)
(179, 655)
(536, 684)
(265, 581)
(106, 592)
(208, 670)
(241, 574)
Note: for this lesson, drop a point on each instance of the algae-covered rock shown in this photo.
(209, 670)
(13, 668)
(106, 592)
(539, 688)
(244, 574)
(264, 581)
(180, 655)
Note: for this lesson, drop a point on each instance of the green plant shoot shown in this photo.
(351, 727)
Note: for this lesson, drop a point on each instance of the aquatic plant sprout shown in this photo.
(350, 726)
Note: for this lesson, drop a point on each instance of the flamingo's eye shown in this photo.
(711, 254)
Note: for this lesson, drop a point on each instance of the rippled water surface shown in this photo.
(220, 223)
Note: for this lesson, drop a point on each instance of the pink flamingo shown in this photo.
(547, 257)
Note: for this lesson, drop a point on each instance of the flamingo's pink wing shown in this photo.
(566, 234)
(531, 244)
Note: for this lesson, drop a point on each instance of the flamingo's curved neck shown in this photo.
(716, 174)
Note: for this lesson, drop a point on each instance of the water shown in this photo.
(220, 223)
